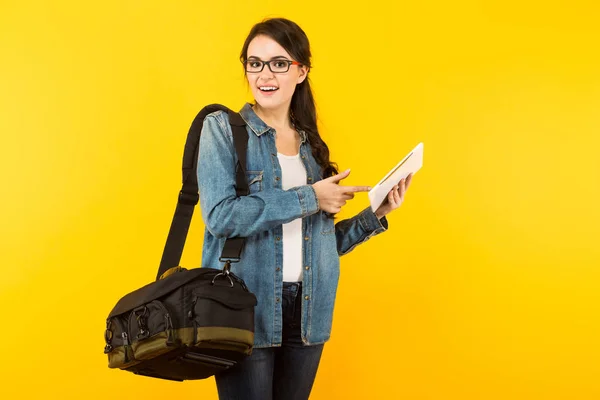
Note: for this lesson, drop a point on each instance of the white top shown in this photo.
(293, 174)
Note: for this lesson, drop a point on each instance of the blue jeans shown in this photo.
(276, 373)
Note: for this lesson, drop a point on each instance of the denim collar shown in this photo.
(257, 125)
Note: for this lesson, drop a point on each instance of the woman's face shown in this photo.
(263, 48)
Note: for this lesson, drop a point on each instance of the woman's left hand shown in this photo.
(394, 198)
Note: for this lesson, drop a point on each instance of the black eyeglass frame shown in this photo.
(289, 64)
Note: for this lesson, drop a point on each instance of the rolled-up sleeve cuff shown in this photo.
(308, 199)
(370, 223)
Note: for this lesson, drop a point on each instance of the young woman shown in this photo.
(291, 256)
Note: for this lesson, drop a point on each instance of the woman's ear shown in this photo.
(303, 74)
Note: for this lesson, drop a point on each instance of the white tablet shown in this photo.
(411, 163)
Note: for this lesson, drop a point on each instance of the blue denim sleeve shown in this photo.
(351, 232)
(224, 213)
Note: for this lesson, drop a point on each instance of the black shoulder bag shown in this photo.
(188, 324)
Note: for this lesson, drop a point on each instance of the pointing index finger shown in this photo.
(355, 189)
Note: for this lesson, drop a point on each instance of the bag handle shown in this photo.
(188, 196)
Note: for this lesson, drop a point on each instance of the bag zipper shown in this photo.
(124, 337)
(168, 321)
(192, 316)
(126, 346)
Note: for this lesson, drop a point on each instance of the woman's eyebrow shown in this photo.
(273, 58)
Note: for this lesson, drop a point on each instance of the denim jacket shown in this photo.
(259, 217)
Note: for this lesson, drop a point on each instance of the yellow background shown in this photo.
(487, 284)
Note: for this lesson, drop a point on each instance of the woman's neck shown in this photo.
(279, 119)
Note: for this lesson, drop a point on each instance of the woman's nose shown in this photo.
(266, 74)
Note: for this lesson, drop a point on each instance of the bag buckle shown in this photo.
(108, 335)
(188, 198)
(141, 315)
(229, 259)
(225, 273)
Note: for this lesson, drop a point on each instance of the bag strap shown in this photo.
(188, 196)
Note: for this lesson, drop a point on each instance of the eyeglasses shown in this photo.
(278, 66)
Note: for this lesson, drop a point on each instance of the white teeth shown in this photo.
(268, 88)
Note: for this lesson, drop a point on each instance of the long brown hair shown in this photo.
(303, 113)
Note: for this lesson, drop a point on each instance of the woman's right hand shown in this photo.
(332, 196)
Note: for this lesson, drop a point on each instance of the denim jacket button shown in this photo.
(306, 297)
(305, 237)
(310, 179)
(307, 268)
(278, 238)
(276, 178)
(277, 269)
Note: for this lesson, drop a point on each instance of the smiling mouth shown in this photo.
(268, 89)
